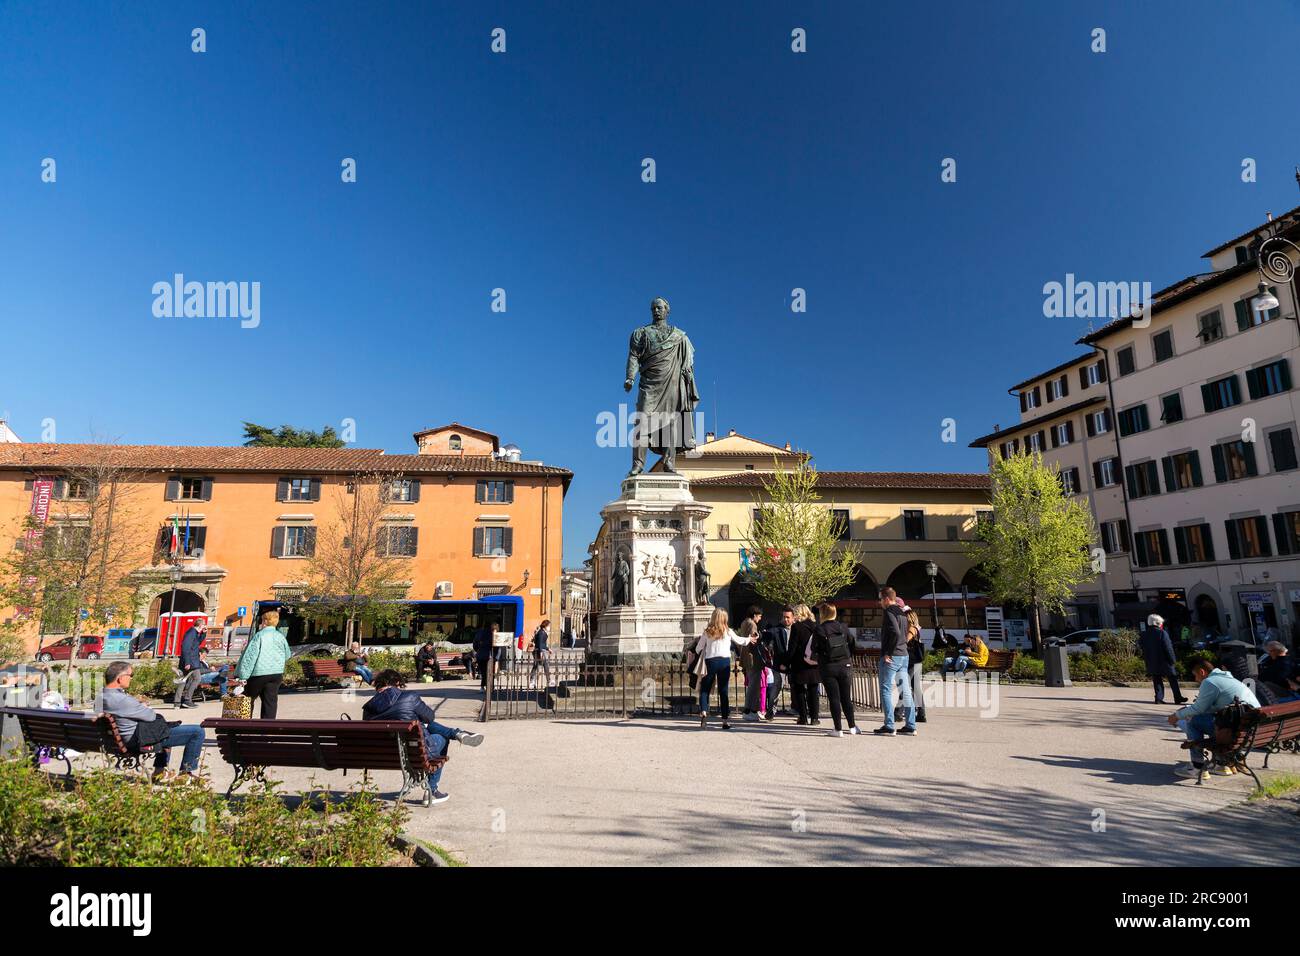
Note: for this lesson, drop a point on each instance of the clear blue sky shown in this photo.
(522, 171)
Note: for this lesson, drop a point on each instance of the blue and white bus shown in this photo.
(447, 621)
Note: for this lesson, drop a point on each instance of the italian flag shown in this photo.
(176, 535)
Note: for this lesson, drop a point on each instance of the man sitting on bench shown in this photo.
(393, 702)
(426, 659)
(138, 723)
(974, 654)
(1218, 690)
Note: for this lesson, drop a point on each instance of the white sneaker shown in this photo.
(1187, 770)
(854, 731)
(835, 733)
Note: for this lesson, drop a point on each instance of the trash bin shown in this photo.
(1238, 658)
(11, 737)
(1056, 665)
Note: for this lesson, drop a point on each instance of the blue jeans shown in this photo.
(365, 673)
(719, 669)
(217, 677)
(957, 665)
(1197, 728)
(189, 736)
(437, 738)
(891, 674)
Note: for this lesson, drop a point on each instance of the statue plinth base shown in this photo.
(659, 527)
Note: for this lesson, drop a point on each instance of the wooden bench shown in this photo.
(318, 671)
(1269, 729)
(999, 662)
(252, 745)
(59, 731)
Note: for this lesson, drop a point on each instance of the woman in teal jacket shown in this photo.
(262, 664)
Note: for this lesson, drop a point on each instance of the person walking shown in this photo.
(805, 674)
(541, 654)
(714, 646)
(482, 654)
(261, 665)
(751, 664)
(1158, 652)
(894, 662)
(777, 641)
(832, 648)
(916, 662)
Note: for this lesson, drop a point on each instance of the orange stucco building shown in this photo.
(472, 520)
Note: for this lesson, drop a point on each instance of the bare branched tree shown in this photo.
(72, 574)
(361, 567)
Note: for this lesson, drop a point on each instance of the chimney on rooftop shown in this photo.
(708, 437)
(787, 446)
(731, 432)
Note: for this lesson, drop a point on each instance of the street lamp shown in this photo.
(1275, 265)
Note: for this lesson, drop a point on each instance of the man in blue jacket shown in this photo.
(1218, 690)
(1158, 652)
(194, 669)
(393, 702)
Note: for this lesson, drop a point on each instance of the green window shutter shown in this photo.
(173, 489)
(1242, 308)
(1131, 477)
(1171, 481)
(1180, 544)
(1163, 536)
(412, 541)
(1261, 529)
(282, 489)
(1253, 385)
(1140, 547)
(1220, 468)
(1143, 422)
(1234, 542)
(1196, 469)
(315, 496)
(1153, 477)
(1282, 533)
(1207, 398)
(277, 542)
(1208, 540)
(508, 541)
(309, 539)
(1248, 452)
(207, 489)
(479, 534)
(1284, 373)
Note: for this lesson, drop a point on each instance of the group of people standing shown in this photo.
(811, 651)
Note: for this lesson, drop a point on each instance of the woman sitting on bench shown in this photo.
(393, 702)
(974, 654)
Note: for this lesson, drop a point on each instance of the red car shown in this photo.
(92, 648)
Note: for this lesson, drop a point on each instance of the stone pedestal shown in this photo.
(659, 527)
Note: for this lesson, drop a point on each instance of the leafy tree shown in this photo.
(795, 555)
(1035, 551)
(286, 436)
(74, 574)
(355, 575)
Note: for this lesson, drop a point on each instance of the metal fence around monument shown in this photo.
(573, 686)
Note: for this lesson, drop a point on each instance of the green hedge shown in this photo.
(111, 819)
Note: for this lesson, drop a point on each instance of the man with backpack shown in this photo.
(1218, 690)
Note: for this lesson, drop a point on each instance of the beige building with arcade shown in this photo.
(895, 522)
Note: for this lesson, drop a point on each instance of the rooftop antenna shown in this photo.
(1297, 176)
(715, 406)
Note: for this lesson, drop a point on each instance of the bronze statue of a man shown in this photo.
(666, 403)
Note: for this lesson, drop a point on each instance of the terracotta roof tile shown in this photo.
(919, 480)
(220, 458)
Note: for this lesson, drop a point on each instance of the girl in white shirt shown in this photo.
(714, 646)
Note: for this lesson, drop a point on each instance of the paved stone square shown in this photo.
(1026, 787)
